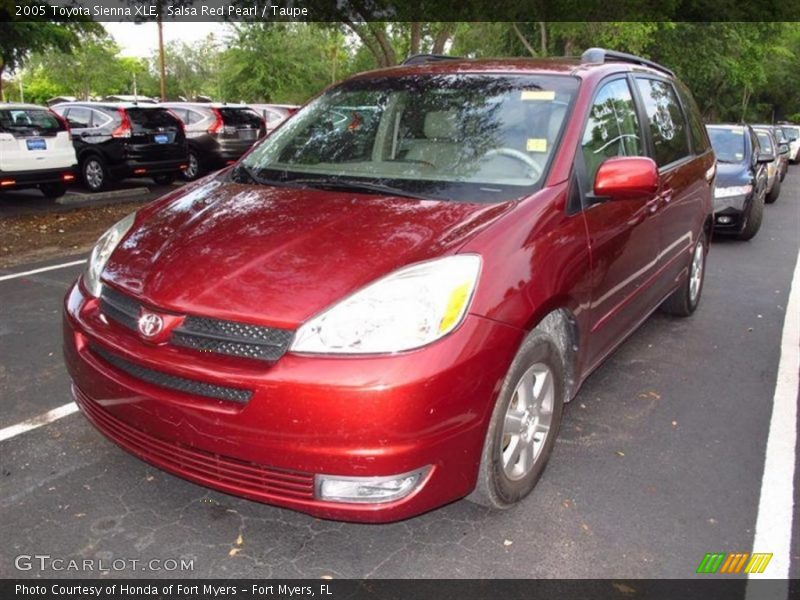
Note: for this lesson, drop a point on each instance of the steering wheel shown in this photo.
(536, 170)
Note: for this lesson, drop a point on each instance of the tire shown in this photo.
(194, 170)
(53, 190)
(502, 482)
(685, 300)
(774, 192)
(753, 218)
(94, 173)
(164, 178)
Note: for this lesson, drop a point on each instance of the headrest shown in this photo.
(441, 124)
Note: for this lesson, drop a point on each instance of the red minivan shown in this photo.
(368, 317)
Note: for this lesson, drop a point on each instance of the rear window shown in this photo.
(29, 120)
(728, 143)
(240, 116)
(151, 117)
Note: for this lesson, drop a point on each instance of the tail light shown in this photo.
(219, 124)
(124, 130)
(62, 120)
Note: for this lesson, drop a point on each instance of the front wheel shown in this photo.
(753, 218)
(774, 192)
(685, 300)
(524, 425)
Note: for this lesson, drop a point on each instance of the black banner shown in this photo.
(321, 589)
(399, 10)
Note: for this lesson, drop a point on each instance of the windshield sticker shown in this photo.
(541, 95)
(739, 156)
(536, 145)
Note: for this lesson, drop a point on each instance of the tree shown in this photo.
(18, 39)
(192, 70)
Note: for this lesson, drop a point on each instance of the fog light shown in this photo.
(724, 220)
(369, 489)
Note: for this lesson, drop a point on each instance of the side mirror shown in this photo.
(792, 139)
(626, 177)
(765, 157)
(783, 148)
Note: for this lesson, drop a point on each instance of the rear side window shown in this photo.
(665, 118)
(27, 120)
(239, 116)
(79, 118)
(612, 128)
(151, 118)
(699, 141)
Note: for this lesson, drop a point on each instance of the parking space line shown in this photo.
(36, 422)
(776, 505)
(42, 270)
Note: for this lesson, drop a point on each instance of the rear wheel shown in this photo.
(684, 301)
(164, 178)
(53, 190)
(753, 218)
(524, 425)
(193, 169)
(774, 192)
(94, 173)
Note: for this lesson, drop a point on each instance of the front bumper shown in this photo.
(729, 213)
(307, 416)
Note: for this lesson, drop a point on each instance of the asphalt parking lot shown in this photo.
(659, 461)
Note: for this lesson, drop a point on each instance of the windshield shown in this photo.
(29, 121)
(451, 137)
(792, 132)
(728, 143)
(766, 141)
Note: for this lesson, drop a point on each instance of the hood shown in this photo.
(731, 174)
(277, 256)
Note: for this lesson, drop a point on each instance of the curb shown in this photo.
(71, 198)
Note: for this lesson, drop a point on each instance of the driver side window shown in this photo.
(612, 129)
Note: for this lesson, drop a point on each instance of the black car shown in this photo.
(742, 179)
(218, 134)
(114, 140)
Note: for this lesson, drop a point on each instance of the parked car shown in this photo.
(741, 186)
(792, 133)
(218, 134)
(59, 99)
(134, 99)
(783, 149)
(35, 150)
(769, 146)
(369, 322)
(274, 114)
(117, 140)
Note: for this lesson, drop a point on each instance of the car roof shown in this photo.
(574, 66)
(107, 104)
(18, 105)
(204, 104)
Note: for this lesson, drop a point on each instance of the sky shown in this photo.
(142, 40)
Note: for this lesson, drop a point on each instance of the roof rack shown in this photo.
(598, 56)
(421, 59)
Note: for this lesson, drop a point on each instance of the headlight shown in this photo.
(102, 252)
(736, 190)
(410, 308)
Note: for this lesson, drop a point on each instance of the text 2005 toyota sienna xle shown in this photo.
(368, 318)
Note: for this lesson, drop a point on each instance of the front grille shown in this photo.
(204, 334)
(230, 337)
(119, 307)
(173, 382)
(211, 469)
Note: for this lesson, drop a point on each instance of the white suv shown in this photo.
(35, 150)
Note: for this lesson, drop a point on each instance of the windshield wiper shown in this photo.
(365, 186)
(252, 175)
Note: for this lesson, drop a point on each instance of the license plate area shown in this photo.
(161, 138)
(36, 144)
(247, 134)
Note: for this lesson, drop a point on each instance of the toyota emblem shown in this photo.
(150, 324)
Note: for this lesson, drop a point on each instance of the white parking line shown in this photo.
(36, 422)
(776, 506)
(42, 270)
